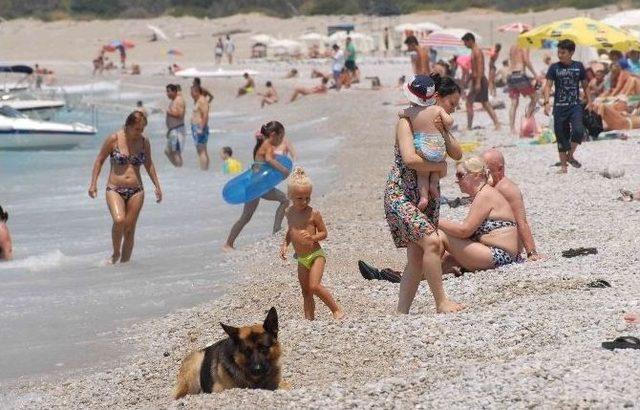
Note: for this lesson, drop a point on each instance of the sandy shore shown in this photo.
(530, 336)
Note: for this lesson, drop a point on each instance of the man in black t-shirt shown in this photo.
(566, 75)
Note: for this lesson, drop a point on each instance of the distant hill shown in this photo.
(57, 9)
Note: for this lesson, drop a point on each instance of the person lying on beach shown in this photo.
(318, 89)
(248, 87)
(293, 73)
(617, 119)
(429, 115)
(6, 248)
(270, 96)
(488, 236)
(306, 230)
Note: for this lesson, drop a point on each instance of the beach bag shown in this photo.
(529, 127)
(592, 123)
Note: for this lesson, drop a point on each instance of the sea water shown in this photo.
(60, 305)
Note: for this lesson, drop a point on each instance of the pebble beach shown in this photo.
(529, 337)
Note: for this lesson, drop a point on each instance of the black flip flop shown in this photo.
(573, 252)
(368, 272)
(599, 283)
(622, 342)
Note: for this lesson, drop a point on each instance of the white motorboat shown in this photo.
(18, 132)
(194, 72)
(26, 104)
(8, 85)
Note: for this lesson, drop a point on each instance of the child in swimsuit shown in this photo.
(306, 230)
(428, 120)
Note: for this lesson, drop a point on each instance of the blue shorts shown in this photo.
(568, 126)
(200, 138)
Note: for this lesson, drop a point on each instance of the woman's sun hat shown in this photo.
(420, 90)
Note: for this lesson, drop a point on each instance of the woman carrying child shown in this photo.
(410, 227)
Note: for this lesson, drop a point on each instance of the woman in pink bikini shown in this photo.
(128, 149)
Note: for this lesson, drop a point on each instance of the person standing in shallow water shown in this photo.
(6, 248)
(268, 139)
(128, 150)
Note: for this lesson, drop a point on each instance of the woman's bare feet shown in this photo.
(449, 306)
(228, 248)
(338, 314)
(113, 259)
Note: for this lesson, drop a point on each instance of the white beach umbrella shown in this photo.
(401, 28)
(427, 26)
(313, 37)
(286, 47)
(158, 32)
(262, 38)
(459, 32)
(628, 18)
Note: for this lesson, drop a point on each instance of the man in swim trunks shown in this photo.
(479, 91)
(175, 126)
(519, 83)
(200, 125)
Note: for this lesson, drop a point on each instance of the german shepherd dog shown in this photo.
(247, 359)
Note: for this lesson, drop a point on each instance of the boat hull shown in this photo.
(20, 141)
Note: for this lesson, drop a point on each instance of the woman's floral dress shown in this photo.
(401, 196)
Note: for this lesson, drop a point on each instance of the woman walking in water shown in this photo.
(128, 149)
(270, 137)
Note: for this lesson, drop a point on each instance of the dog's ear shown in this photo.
(271, 323)
(231, 331)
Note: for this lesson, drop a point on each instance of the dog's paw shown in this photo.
(284, 385)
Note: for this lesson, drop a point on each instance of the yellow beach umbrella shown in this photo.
(583, 31)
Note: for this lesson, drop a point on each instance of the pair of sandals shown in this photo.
(370, 273)
(573, 162)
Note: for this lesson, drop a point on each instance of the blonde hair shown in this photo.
(299, 178)
(476, 165)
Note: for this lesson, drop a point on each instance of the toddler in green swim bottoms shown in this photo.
(306, 230)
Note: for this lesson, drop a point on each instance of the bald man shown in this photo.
(495, 163)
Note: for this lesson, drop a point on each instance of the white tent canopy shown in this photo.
(364, 43)
(262, 38)
(424, 26)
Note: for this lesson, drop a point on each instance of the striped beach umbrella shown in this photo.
(514, 27)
